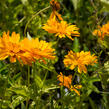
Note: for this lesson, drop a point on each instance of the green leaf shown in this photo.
(23, 106)
(16, 101)
(3, 84)
(104, 43)
(105, 5)
(93, 79)
(106, 66)
(20, 90)
(38, 81)
(49, 87)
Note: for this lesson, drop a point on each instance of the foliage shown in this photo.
(36, 86)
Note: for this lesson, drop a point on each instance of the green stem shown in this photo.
(28, 75)
(45, 77)
(62, 105)
(74, 76)
(34, 17)
(28, 83)
(46, 68)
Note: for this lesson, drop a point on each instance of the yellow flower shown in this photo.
(61, 29)
(39, 50)
(10, 47)
(79, 59)
(67, 82)
(55, 24)
(102, 31)
(25, 51)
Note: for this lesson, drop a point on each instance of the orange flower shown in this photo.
(67, 82)
(61, 29)
(57, 25)
(102, 31)
(79, 59)
(10, 47)
(25, 51)
(38, 49)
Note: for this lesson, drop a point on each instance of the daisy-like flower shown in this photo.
(10, 47)
(61, 29)
(102, 31)
(25, 51)
(55, 24)
(39, 50)
(67, 82)
(81, 59)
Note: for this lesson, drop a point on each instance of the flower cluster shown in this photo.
(58, 26)
(25, 51)
(80, 59)
(67, 82)
(102, 31)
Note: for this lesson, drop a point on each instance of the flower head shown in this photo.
(81, 59)
(39, 50)
(10, 47)
(61, 29)
(55, 24)
(25, 51)
(67, 82)
(102, 31)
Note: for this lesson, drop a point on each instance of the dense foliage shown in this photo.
(54, 54)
